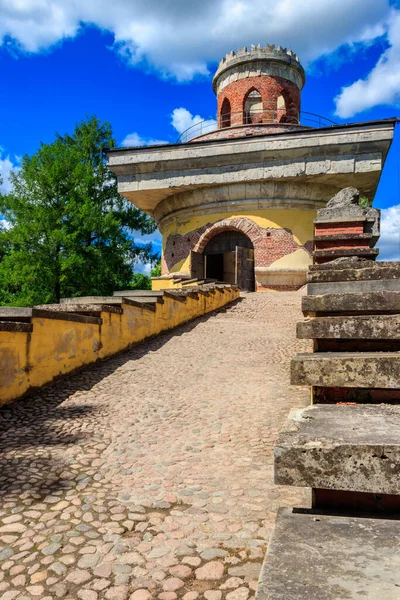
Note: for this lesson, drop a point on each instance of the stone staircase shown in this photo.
(346, 445)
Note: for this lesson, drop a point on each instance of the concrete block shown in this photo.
(368, 327)
(313, 556)
(341, 447)
(351, 287)
(371, 302)
(347, 369)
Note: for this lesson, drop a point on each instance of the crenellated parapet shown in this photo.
(257, 61)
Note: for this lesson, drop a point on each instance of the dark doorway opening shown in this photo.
(215, 267)
(229, 257)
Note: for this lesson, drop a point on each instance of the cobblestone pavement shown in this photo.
(150, 475)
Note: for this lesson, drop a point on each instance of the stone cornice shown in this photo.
(336, 156)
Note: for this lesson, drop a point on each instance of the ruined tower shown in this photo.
(235, 198)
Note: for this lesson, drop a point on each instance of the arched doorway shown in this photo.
(229, 257)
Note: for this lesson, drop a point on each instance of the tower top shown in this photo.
(267, 60)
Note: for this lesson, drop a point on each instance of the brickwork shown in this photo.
(270, 89)
(269, 244)
(335, 228)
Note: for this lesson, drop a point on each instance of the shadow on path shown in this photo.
(36, 429)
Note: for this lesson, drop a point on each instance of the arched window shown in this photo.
(252, 108)
(225, 115)
(281, 109)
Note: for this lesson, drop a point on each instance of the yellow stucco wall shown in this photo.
(300, 222)
(56, 347)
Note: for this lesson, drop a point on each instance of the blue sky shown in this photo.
(134, 64)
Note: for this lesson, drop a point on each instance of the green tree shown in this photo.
(70, 231)
(140, 281)
(156, 270)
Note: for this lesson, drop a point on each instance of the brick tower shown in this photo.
(260, 87)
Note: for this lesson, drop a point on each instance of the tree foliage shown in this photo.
(70, 232)
(156, 270)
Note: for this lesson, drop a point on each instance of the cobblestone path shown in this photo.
(150, 474)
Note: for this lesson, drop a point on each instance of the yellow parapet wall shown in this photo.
(54, 343)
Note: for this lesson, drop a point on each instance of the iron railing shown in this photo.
(264, 116)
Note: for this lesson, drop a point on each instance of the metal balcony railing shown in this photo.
(264, 116)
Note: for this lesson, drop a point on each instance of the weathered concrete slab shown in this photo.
(347, 369)
(344, 252)
(323, 557)
(92, 300)
(353, 262)
(15, 313)
(91, 309)
(368, 327)
(370, 302)
(352, 287)
(341, 447)
(135, 293)
(355, 272)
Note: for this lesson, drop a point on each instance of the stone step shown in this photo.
(341, 447)
(353, 287)
(339, 252)
(353, 271)
(362, 303)
(315, 556)
(347, 369)
(368, 327)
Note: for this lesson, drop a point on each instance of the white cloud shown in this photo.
(382, 85)
(144, 268)
(134, 139)
(389, 242)
(182, 119)
(6, 166)
(180, 38)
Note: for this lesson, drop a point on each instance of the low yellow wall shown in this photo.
(56, 346)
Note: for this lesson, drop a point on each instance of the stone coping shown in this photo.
(341, 447)
(80, 308)
(326, 557)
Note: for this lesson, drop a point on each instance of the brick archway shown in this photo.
(246, 226)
